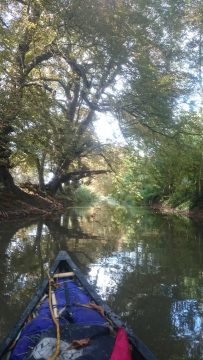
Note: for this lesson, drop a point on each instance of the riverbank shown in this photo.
(196, 212)
(12, 206)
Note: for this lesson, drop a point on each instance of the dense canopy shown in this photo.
(65, 62)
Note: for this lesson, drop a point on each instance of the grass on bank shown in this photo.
(83, 195)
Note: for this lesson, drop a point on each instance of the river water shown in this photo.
(148, 267)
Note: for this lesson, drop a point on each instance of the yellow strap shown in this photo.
(55, 320)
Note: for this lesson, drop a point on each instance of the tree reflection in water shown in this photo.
(147, 266)
(108, 275)
(186, 319)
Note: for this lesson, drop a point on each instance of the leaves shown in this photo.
(61, 62)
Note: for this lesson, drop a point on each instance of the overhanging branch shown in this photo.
(79, 174)
(145, 125)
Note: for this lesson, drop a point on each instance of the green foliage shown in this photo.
(166, 75)
(84, 196)
(172, 173)
(127, 181)
(150, 193)
(62, 61)
(58, 58)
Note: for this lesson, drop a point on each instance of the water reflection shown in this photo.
(186, 318)
(106, 274)
(148, 268)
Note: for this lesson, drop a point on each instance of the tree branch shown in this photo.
(85, 122)
(92, 105)
(22, 2)
(38, 60)
(79, 174)
(74, 102)
(79, 70)
(146, 125)
(3, 22)
(34, 83)
(108, 162)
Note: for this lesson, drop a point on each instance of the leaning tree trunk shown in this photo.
(6, 179)
(55, 183)
(11, 187)
(53, 186)
(76, 175)
(40, 171)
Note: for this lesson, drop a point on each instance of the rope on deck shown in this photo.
(53, 310)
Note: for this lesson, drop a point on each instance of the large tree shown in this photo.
(65, 56)
(64, 61)
(160, 110)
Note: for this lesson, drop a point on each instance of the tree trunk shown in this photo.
(76, 175)
(53, 186)
(6, 179)
(40, 171)
(8, 182)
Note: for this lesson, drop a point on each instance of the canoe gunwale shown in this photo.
(6, 344)
(63, 256)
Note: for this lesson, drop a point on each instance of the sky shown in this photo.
(107, 129)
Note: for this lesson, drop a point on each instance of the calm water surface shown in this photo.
(148, 267)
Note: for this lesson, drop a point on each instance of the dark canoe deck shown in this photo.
(64, 263)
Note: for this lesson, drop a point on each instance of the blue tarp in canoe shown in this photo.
(68, 298)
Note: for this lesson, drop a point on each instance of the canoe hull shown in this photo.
(64, 263)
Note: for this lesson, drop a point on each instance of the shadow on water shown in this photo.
(147, 266)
